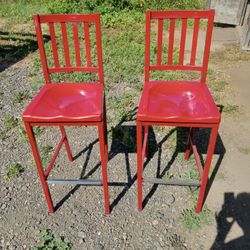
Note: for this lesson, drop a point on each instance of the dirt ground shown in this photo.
(80, 215)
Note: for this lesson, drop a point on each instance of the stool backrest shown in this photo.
(175, 51)
(73, 46)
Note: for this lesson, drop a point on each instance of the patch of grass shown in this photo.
(51, 242)
(14, 170)
(231, 109)
(38, 130)
(46, 149)
(230, 55)
(121, 107)
(10, 122)
(194, 221)
(20, 96)
(3, 135)
(23, 135)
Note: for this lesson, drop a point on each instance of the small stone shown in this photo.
(155, 222)
(82, 234)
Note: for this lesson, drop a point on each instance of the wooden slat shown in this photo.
(65, 44)
(76, 43)
(87, 44)
(159, 42)
(194, 42)
(171, 41)
(54, 46)
(183, 41)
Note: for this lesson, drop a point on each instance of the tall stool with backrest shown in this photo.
(177, 103)
(68, 103)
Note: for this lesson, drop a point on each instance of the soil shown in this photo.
(80, 217)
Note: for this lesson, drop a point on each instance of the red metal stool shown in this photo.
(177, 103)
(68, 103)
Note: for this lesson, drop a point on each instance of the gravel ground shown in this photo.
(80, 217)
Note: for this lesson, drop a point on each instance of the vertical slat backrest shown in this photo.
(178, 19)
(81, 62)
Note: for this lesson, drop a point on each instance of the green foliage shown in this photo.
(10, 122)
(38, 130)
(194, 221)
(20, 96)
(51, 242)
(231, 109)
(14, 170)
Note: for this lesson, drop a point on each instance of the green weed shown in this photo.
(231, 109)
(14, 170)
(38, 130)
(194, 221)
(10, 122)
(23, 135)
(46, 149)
(20, 96)
(51, 242)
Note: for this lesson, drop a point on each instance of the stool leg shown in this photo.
(146, 131)
(139, 163)
(188, 149)
(101, 129)
(105, 129)
(212, 142)
(39, 166)
(66, 143)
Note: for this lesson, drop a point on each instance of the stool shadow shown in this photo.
(201, 139)
(234, 210)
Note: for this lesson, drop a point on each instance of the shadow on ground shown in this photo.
(124, 142)
(236, 209)
(15, 46)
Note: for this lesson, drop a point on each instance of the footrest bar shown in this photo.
(76, 181)
(176, 182)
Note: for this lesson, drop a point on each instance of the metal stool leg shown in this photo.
(139, 163)
(204, 179)
(66, 143)
(101, 129)
(146, 132)
(39, 166)
(188, 149)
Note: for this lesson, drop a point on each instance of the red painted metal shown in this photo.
(178, 103)
(77, 45)
(159, 48)
(195, 40)
(68, 104)
(171, 41)
(65, 45)
(87, 44)
(183, 41)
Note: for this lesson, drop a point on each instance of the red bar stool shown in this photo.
(68, 103)
(177, 103)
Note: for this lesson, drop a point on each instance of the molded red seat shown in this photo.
(66, 102)
(177, 102)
